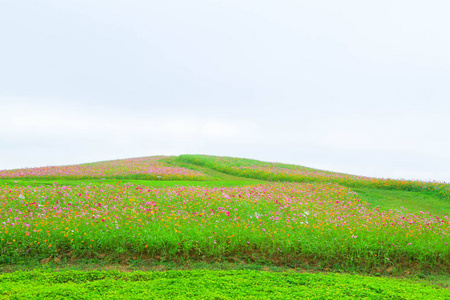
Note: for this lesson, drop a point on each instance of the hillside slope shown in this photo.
(292, 173)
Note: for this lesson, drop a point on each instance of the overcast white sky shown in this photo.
(359, 87)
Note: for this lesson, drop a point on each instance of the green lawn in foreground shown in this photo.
(207, 284)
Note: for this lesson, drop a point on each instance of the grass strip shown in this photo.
(206, 284)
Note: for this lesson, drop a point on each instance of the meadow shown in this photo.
(219, 210)
(250, 168)
(142, 168)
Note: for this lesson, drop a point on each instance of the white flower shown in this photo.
(21, 196)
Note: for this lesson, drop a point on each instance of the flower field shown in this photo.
(149, 168)
(275, 222)
(283, 172)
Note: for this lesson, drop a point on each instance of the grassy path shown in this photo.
(385, 199)
(213, 173)
(412, 202)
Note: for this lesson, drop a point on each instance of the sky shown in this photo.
(358, 87)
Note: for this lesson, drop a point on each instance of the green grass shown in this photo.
(131, 264)
(207, 284)
(411, 202)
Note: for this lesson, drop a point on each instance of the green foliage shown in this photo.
(206, 284)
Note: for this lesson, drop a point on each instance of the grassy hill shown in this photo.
(215, 212)
(142, 168)
(250, 168)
